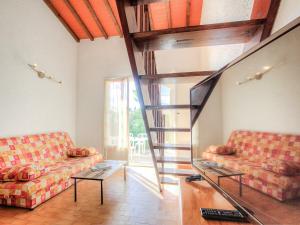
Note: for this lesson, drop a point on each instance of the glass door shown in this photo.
(139, 151)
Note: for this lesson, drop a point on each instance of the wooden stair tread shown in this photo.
(172, 146)
(173, 171)
(176, 160)
(175, 75)
(164, 129)
(169, 180)
(154, 107)
(196, 36)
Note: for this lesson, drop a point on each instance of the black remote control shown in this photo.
(221, 214)
(193, 178)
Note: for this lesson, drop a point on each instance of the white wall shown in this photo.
(288, 11)
(30, 33)
(97, 60)
(258, 105)
(209, 128)
(272, 103)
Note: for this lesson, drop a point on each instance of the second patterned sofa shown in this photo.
(270, 161)
(39, 167)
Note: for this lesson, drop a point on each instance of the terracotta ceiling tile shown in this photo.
(104, 17)
(113, 5)
(159, 15)
(86, 17)
(196, 11)
(178, 12)
(66, 14)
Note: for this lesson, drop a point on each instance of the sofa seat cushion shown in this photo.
(37, 198)
(284, 182)
(59, 171)
(75, 165)
(281, 167)
(253, 170)
(26, 189)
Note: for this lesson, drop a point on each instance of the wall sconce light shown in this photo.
(257, 76)
(42, 74)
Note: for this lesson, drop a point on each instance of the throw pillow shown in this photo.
(221, 150)
(81, 152)
(31, 172)
(9, 173)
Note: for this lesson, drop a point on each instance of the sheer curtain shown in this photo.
(116, 134)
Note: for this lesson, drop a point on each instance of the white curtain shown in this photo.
(116, 134)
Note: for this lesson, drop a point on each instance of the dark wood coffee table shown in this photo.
(219, 172)
(99, 175)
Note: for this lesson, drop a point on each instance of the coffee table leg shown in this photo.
(124, 172)
(75, 190)
(240, 185)
(101, 192)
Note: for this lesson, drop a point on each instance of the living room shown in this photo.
(72, 94)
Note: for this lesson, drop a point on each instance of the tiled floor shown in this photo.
(133, 202)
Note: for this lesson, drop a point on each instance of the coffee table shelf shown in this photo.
(219, 172)
(99, 175)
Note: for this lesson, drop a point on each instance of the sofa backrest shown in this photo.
(256, 145)
(28, 148)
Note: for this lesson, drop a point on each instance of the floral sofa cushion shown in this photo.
(281, 167)
(253, 150)
(255, 145)
(26, 149)
(60, 171)
(48, 151)
(39, 197)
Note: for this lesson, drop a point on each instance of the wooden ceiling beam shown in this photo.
(78, 19)
(169, 14)
(95, 17)
(145, 2)
(188, 12)
(113, 17)
(196, 36)
(272, 13)
(57, 14)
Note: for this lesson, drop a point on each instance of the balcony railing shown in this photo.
(139, 151)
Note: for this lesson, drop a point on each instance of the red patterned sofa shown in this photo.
(254, 150)
(47, 150)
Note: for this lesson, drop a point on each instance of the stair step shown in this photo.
(237, 32)
(172, 146)
(153, 107)
(168, 180)
(163, 129)
(174, 75)
(175, 160)
(173, 171)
